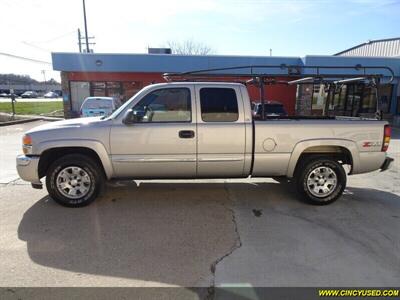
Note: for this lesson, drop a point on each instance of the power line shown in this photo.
(26, 58)
(54, 38)
(36, 47)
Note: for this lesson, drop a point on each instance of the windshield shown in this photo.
(97, 104)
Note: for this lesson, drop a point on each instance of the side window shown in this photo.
(218, 105)
(165, 105)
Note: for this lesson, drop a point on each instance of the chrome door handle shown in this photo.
(186, 134)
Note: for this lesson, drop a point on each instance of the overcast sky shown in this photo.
(35, 28)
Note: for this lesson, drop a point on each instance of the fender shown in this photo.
(94, 145)
(303, 145)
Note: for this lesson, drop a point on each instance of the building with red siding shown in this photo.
(122, 75)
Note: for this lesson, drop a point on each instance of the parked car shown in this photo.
(29, 94)
(97, 106)
(5, 95)
(199, 130)
(272, 109)
(51, 95)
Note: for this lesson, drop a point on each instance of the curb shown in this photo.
(9, 123)
(27, 119)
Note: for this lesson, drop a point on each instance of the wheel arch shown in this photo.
(52, 150)
(341, 150)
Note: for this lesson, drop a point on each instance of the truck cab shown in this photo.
(184, 131)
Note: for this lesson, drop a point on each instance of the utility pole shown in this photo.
(12, 100)
(44, 75)
(86, 32)
(79, 40)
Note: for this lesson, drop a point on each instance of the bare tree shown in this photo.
(189, 47)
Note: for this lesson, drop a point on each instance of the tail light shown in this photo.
(386, 137)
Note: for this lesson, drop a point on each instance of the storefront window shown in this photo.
(350, 100)
(121, 91)
(318, 99)
(337, 101)
(369, 101)
(113, 89)
(353, 101)
(342, 98)
(98, 89)
(130, 88)
(398, 104)
(79, 91)
(385, 96)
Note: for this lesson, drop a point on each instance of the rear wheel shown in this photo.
(320, 180)
(74, 180)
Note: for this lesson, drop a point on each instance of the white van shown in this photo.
(97, 106)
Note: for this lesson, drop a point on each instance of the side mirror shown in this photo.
(133, 116)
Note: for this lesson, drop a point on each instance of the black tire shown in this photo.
(327, 192)
(90, 170)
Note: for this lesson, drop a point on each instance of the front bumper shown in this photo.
(387, 164)
(27, 167)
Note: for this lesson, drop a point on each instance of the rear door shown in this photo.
(221, 131)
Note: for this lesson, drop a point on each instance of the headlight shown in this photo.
(26, 144)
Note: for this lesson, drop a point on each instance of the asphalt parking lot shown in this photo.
(199, 233)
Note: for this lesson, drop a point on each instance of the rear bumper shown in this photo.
(387, 164)
(27, 167)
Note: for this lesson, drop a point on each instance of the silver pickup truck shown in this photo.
(199, 130)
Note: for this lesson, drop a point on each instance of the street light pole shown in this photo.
(86, 33)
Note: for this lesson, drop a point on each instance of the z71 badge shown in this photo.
(371, 144)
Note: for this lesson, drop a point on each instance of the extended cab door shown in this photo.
(221, 131)
(162, 143)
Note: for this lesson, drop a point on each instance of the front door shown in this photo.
(162, 142)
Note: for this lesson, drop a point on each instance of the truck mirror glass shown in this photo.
(133, 116)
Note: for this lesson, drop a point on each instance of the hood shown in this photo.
(71, 123)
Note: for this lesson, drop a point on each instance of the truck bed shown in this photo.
(277, 142)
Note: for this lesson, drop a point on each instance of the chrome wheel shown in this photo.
(73, 182)
(321, 182)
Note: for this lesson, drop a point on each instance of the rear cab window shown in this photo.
(218, 105)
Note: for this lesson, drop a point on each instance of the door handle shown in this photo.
(186, 134)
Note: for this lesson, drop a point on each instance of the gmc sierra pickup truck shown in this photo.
(193, 130)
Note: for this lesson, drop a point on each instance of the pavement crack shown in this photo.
(237, 244)
(11, 182)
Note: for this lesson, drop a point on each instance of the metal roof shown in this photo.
(383, 47)
(162, 63)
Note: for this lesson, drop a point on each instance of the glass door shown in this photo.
(353, 100)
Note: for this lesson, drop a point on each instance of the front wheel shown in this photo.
(320, 180)
(74, 180)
